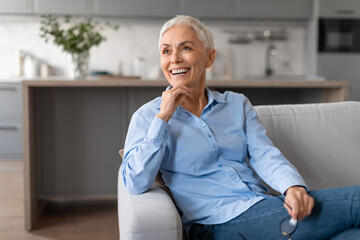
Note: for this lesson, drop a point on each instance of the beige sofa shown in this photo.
(321, 140)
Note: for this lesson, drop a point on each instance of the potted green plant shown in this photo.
(75, 38)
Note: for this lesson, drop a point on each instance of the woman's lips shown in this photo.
(179, 71)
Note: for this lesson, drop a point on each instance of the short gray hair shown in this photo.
(203, 32)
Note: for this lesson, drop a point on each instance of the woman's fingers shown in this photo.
(171, 100)
(298, 203)
(181, 94)
(174, 95)
(310, 206)
(288, 208)
(175, 91)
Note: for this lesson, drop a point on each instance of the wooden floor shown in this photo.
(63, 221)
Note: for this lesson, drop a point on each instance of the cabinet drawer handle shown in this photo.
(345, 12)
(7, 89)
(9, 128)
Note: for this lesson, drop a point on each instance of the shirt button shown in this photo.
(220, 165)
(209, 135)
(203, 125)
(166, 131)
(236, 179)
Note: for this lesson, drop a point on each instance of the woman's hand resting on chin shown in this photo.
(171, 100)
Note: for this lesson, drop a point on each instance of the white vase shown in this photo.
(31, 67)
(80, 65)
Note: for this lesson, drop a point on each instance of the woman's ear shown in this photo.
(211, 55)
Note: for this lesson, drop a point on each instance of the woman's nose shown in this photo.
(175, 57)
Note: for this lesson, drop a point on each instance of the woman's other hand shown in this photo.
(298, 202)
(171, 100)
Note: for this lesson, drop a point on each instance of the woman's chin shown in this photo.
(178, 83)
(188, 82)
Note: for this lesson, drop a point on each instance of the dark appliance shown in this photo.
(339, 35)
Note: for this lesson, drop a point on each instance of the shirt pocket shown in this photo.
(234, 146)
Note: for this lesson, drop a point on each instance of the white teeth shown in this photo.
(180, 70)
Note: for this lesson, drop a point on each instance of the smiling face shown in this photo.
(183, 57)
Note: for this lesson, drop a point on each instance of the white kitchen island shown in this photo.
(73, 129)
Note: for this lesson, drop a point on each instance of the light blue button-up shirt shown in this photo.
(203, 159)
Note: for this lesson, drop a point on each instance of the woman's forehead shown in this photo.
(180, 33)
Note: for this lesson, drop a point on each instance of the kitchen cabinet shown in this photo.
(274, 9)
(339, 8)
(10, 100)
(70, 7)
(11, 139)
(354, 92)
(206, 8)
(15, 6)
(135, 8)
(10, 121)
(342, 66)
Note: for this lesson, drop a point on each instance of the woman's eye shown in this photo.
(187, 48)
(165, 51)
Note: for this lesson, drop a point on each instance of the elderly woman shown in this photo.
(200, 141)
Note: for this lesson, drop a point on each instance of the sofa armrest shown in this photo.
(151, 215)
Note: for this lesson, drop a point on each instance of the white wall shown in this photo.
(139, 38)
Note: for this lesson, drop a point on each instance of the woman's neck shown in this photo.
(196, 101)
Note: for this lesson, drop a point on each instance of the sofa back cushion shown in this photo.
(321, 140)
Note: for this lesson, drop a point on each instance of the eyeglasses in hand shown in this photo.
(288, 225)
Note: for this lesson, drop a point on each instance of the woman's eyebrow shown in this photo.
(186, 42)
(165, 45)
(180, 44)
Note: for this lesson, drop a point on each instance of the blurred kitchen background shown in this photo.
(241, 44)
(239, 36)
(307, 40)
(245, 32)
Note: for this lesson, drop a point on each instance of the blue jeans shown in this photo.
(336, 215)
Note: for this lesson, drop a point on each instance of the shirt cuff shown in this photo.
(306, 189)
(293, 182)
(159, 130)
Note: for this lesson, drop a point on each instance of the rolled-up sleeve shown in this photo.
(267, 160)
(144, 151)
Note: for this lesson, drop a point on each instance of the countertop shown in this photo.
(10, 80)
(95, 82)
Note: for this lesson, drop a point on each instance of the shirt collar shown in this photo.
(214, 96)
